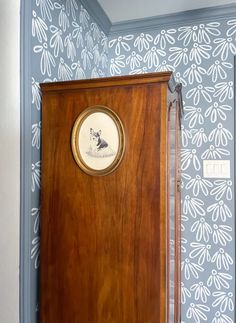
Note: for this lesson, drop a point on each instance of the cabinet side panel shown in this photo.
(173, 207)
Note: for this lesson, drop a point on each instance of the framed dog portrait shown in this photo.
(98, 140)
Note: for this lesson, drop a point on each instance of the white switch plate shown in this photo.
(216, 168)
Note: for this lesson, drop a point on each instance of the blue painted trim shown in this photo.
(98, 14)
(185, 17)
(25, 159)
(234, 165)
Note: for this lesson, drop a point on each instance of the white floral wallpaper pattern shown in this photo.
(201, 55)
(67, 44)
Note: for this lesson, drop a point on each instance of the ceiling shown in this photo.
(123, 10)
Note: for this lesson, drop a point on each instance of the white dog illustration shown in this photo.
(98, 146)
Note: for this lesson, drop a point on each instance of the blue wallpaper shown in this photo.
(201, 55)
(67, 44)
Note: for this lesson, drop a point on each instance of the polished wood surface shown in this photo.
(148, 78)
(103, 238)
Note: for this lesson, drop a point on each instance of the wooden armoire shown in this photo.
(110, 221)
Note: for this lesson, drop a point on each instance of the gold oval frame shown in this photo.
(74, 140)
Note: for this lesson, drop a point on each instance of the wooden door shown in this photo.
(103, 244)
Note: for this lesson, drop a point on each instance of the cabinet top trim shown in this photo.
(109, 81)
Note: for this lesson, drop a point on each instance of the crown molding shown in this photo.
(147, 24)
(157, 22)
(98, 14)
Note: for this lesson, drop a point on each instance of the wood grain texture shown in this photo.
(148, 78)
(103, 239)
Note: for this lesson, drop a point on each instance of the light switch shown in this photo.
(216, 168)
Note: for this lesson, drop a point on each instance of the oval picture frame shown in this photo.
(98, 140)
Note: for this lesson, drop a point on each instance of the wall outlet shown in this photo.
(216, 168)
